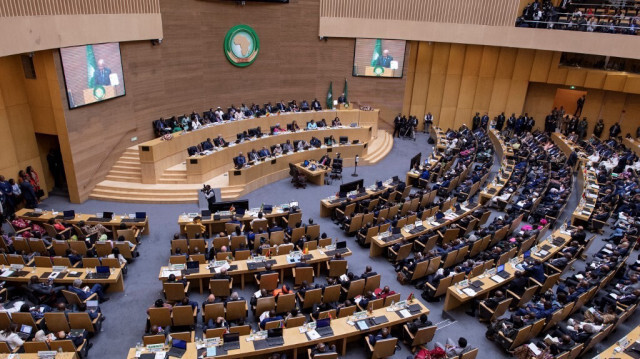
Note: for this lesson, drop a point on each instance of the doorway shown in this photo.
(568, 99)
(52, 164)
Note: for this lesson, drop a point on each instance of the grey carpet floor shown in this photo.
(126, 312)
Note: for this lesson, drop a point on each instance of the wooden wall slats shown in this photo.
(14, 8)
(478, 12)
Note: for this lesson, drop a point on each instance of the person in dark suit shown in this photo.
(219, 141)
(253, 155)
(419, 323)
(368, 272)
(382, 334)
(43, 288)
(579, 236)
(535, 271)
(385, 59)
(240, 161)
(519, 284)
(315, 105)
(342, 98)
(83, 295)
(267, 270)
(101, 75)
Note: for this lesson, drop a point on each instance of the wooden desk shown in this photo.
(327, 206)
(590, 191)
(506, 154)
(216, 226)
(35, 356)
(281, 265)
(295, 341)
(439, 137)
(455, 299)
(378, 245)
(567, 147)
(115, 280)
(273, 167)
(158, 155)
(112, 225)
(611, 352)
(314, 176)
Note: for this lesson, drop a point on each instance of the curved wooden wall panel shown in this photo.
(478, 12)
(34, 25)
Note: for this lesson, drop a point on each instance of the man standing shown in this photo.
(428, 121)
(580, 104)
(500, 122)
(597, 130)
(484, 121)
(101, 76)
(385, 60)
(397, 122)
(582, 128)
(210, 195)
(476, 122)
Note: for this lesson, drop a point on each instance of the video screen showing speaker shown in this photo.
(92, 73)
(379, 58)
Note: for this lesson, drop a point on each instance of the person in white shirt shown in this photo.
(11, 338)
(258, 220)
(115, 253)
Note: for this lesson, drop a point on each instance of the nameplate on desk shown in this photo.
(193, 161)
(329, 150)
(237, 173)
(144, 148)
(273, 161)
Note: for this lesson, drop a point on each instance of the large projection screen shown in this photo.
(92, 73)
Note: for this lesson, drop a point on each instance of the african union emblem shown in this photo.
(241, 45)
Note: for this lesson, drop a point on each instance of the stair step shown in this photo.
(123, 179)
(127, 162)
(127, 166)
(135, 194)
(129, 199)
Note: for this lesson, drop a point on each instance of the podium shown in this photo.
(109, 92)
(369, 71)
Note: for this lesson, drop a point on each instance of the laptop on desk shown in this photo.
(323, 327)
(206, 214)
(192, 267)
(102, 272)
(231, 341)
(274, 337)
(68, 215)
(341, 247)
(25, 331)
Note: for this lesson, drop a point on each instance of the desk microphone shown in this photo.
(355, 169)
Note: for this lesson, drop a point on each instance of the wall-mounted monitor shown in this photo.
(92, 73)
(379, 58)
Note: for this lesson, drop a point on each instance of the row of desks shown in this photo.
(328, 204)
(456, 297)
(264, 170)
(240, 268)
(379, 244)
(113, 224)
(506, 169)
(66, 277)
(587, 204)
(157, 155)
(294, 339)
(617, 350)
(218, 225)
(441, 144)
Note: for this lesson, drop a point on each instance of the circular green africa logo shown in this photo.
(241, 45)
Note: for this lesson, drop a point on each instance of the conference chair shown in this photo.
(298, 180)
(221, 287)
(383, 348)
(175, 292)
(285, 303)
(310, 298)
(82, 320)
(472, 354)
(34, 347)
(264, 304)
(421, 337)
(60, 247)
(153, 339)
(67, 346)
(241, 329)
(188, 337)
(331, 294)
(73, 299)
(337, 267)
(488, 314)
(236, 310)
(160, 317)
(301, 274)
(295, 321)
(4, 348)
(268, 281)
(347, 311)
(184, 316)
(215, 333)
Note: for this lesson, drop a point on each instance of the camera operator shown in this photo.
(210, 195)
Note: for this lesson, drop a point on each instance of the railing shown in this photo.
(15, 8)
(475, 12)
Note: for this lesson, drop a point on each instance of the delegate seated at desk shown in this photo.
(304, 106)
(336, 122)
(240, 161)
(219, 141)
(287, 147)
(312, 125)
(315, 105)
(253, 155)
(264, 152)
(294, 126)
